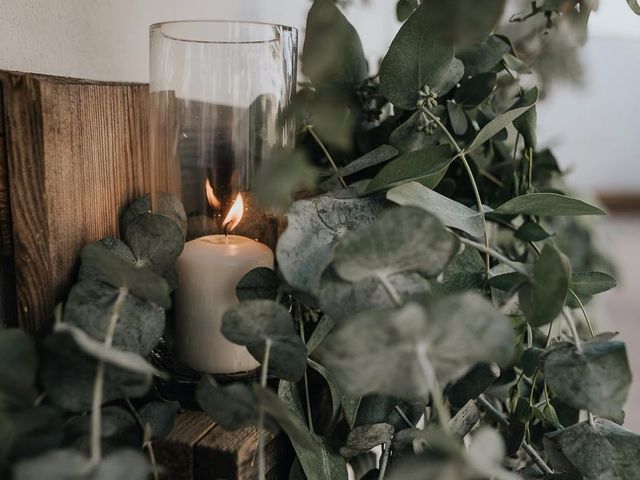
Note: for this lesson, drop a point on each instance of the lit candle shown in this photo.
(209, 270)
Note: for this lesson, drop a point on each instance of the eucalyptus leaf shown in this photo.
(332, 54)
(634, 6)
(366, 437)
(34, 430)
(167, 204)
(596, 379)
(463, 22)
(526, 124)
(542, 301)
(155, 240)
(427, 166)
(140, 325)
(484, 56)
(279, 178)
(449, 212)
(305, 248)
(508, 282)
(591, 283)
(456, 332)
(118, 358)
(375, 157)
(322, 462)
(404, 8)
(231, 406)
(466, 271)
(401, 240)
(341, 299)
(68, 376)
(159, 417)
(111, 269)
(411, 135)
(416, 58)
(324, 326)
(260, 283)
(532, 232)
(333, 389)
(496, 125)
(546, 205)
(288, 421)
(606, 451)
(475, 90)
(473, 383)
(254, 322)
(457, 118)
(17, 379)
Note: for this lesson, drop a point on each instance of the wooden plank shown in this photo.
(175, 453)
(77, 153)
(222, 454)
(8, 315)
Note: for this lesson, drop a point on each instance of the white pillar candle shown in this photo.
(209, 270)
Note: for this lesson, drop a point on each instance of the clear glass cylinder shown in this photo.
(219, 98)
(219, 92)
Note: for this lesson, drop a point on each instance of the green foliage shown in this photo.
(456, 294)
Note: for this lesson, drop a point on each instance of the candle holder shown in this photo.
(219, 93)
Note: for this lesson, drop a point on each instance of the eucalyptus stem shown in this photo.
(306, 379)
(505, 421)
(495, 254)
(393, 293)
(146, 442)
(584, 312)
(404, 417)
(98, 386)
(324, 149)
(436, 394)
(384, 460)
(262, 467)
(467, 167)
(572, 327)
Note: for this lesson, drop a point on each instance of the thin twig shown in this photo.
(572, 327)
(584, 312)
(467, 167)
(495, 254)
(146, 442)
(324, 149)
(500, 417)
(96, 414)
(436, 394)
(404, 417)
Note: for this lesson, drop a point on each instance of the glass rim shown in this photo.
(247, 23)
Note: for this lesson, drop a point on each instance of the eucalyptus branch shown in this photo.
(501, 418)
(316, 138)
(98, 386)
(146, 442)
(467, 167)
(572, 327)
(262, 467)
(495, 254)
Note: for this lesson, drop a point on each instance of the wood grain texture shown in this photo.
(76, 154)
(233, 455)
(175, 454)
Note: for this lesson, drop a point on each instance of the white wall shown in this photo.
(594, 129)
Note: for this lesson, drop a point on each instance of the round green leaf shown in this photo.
(484, 56)
(254, 322)
(401, 240)
(168, 204)
(305, 248)
(259, 283)
(140, 324)
(596, 379)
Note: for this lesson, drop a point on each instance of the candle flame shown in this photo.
(234, 216)
(211, 198)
